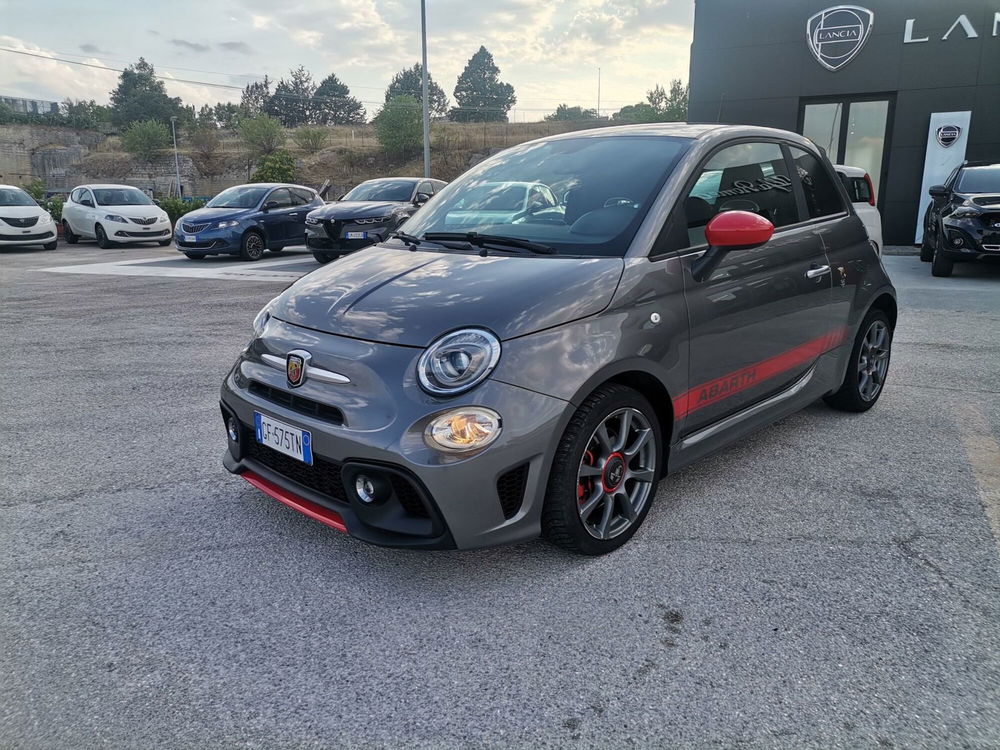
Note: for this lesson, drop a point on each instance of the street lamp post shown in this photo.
(177, 162)
(426, 106)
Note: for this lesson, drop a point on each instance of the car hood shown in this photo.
(201, 215)
(22, 212)
(355, 209)
(396, 296)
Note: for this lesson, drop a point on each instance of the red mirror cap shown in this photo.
(738, 229)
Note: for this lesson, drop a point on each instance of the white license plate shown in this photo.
(357, 235)
(283, 437)
(190, 238)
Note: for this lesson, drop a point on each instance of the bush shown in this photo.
(311, 140)
(177, 207)
(54, 206)
(261, 136)
(35, 188)
(145, 139)
(276, 167)
(399, 125)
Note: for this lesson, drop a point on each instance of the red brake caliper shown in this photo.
(586, 484)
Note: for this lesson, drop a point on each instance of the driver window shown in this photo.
(281, 196)
(743, 177)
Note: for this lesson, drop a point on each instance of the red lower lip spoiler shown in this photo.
(316, 512)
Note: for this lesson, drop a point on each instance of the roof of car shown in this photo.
(850, 171)
(677, 129)
(271, 185)
(11, 187)
(397, 179)
(102, 186)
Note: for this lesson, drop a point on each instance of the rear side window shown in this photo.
(742, 177)
(822, 197)
(282, 197)
(857, 189)
(302, 196)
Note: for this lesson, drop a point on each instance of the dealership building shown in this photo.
(907, 89)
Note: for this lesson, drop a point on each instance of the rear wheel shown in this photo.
(71, 239)
(252, 247)
(604, 474)
(869, 365)
(102, 237)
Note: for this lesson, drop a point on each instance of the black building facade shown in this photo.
(903, 88)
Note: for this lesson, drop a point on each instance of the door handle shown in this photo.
(816, 271)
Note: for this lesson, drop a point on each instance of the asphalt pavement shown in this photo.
(833, 581)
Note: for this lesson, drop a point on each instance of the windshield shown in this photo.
(381, 190)
(15, 197)
(603, 186)
(980, 180)
(242, 196)
(121, 197)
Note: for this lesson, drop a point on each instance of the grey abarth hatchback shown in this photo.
(512, 365)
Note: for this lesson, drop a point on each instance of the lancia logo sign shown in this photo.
(948, 134)
(296, 364)
(837, 34)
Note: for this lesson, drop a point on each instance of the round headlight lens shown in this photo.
(458, 361)
(467, 429)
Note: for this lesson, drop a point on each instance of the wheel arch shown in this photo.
(256, 229)
(887, 304)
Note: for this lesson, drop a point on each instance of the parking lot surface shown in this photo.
(834, 580)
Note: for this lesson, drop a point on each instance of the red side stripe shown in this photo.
(722, 388)
(316, 512)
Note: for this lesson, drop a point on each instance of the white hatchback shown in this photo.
(862, 194)
(114, 213)
(24, 222)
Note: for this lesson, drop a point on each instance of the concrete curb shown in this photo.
(901, 250)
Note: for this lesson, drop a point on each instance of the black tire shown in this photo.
(564, 519)
(851, 395)
(322, 257)
(163, 243)
(275, 249)
(50, 245)
(941, 265)
(926, 248)
(102, 237)
(195, 256)
(71, 239)
(252, 247)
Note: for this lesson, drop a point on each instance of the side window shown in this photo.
(281, 196)
(301, 197)
(86, 195)
(742, 177)
(857, 189)
(75, 196)
(425, 187)
(822, 197)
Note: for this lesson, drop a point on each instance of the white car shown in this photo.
(114, 213)
(501, 203)
(24, 222)
(862, 193)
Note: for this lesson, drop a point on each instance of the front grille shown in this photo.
(145, 222)
(30, 221)
(510, 490)
(37, 236)
(322, 477)
(333, 228)
(142, 234)
(192, 228)
(297, 403)
(987, 200)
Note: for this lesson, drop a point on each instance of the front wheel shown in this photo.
(869, 365)
(926, 248)
(604, 473)
(50, 245)
(322, 257)
(163, 243)
(252, 247)
(102, 237)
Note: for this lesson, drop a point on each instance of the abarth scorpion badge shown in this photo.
(296, 364)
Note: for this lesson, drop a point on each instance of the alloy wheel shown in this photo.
(616, 475)
(873, 360)
(254, 246)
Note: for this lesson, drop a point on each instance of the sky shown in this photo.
(549, 50)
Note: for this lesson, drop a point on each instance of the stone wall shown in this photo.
(29, 151)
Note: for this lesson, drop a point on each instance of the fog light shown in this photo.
(957, 241)
(233, 429)
(372, 488)
(466, 429)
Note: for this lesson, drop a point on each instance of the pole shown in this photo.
(426, 97)
(177, 163)
(598, 93)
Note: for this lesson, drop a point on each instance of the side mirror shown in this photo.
(421, 198)
(938, 192)
(728, 231)
(269, 205)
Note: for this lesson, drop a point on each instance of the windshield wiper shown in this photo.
(481, 240)
(412, 241)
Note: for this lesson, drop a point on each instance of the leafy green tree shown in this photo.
(311, 139)
(566, 112)
(261, 136)
(205, 151)
(399, 125)
(292, 100)
(660, 105)
(144, 140)
(84, 115)
(278, 166)
(334, 105)
(140, 96)
(227, 115)
(6, 114)
(641, 112)
(256, 97)
(35, 188)
(480, 94)
(409, 81)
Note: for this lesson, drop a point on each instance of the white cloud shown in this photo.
(307, 37)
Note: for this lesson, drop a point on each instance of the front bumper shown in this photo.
(33, 236)
(118, 232)
(438, 500)
(331, 235)
(209, 241)
(972, 238)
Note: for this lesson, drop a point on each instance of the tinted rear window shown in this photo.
(857, 189)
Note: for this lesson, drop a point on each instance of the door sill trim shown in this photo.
(706, 432)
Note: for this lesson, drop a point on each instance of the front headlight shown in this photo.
(260, 321)
(466, 429)
(227, 224)
(964, 212)
(458, 361)
(116, 217)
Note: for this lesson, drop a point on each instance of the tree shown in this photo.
(227, 115)
(660, 105)
(334, 105)
(145, 139)
(291, 101)
(310, 139)
(261, 136)
(84, 115)
(566, 112)
(278, 166)
(641, 112)
(205, 152)
(256, 97)
(399, 125)
(140, 96)
(410, 81)
(480, 94)
(675, 106)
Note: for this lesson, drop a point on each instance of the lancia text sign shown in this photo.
(837, 34)
(947, 134)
